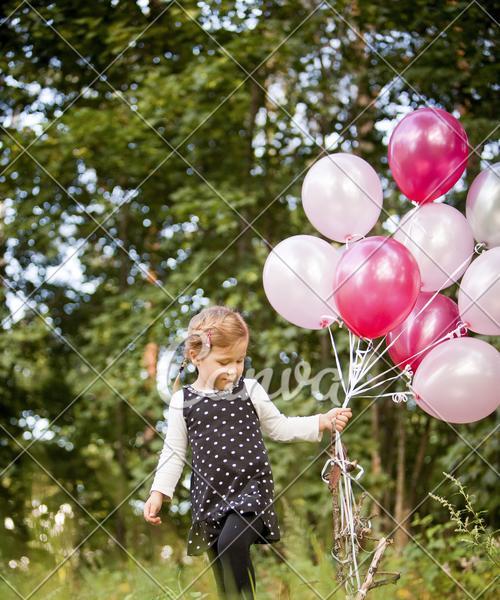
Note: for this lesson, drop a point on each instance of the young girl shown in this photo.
(221, 416)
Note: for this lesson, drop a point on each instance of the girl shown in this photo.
(221, 415)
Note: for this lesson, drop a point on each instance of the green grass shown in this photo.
(420, 578)
(453, 560)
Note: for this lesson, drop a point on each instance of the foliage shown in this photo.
(471, 524)
(161, 186)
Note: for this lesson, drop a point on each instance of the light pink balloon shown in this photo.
(482, 207)
(441, 240)
(459, 381)
(479, 294)
(298, 280)
(342, 196)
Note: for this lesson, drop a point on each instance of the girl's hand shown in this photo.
(153, 507)
(336, 417)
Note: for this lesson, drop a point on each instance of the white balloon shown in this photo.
(441, 240)
(342, 196)
(298, 280)
(479, 294)
(482, 207)
(458, 381)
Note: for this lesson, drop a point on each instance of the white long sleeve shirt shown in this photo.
(276, 425)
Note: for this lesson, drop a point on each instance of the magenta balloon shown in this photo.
(376, 285)
(459, 381)
(411, 340)
(298, 278)
(427, 154)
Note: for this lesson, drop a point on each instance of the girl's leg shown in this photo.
(233, 548)
(217, 571)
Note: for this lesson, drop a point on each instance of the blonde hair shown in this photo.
(213, 326)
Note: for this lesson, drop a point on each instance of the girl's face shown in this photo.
(221, 367)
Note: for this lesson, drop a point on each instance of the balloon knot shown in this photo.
(408, 372)
(326, 320)
(399, 397)
(353, 236)
(460, 330)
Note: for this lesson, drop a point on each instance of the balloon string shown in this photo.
(337, 360)
(355, 362)
(397, 397)
(357, 359)
(347, 500)
(360, 360)
(360, 357)
(351, 358)
(357, 356)
(346, 495)
(459, 331)
(371, 387)
(379, 356)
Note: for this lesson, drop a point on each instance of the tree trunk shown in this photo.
(401, 538)
(120, 410)
(257, 97)
(419, 462)
(387, 423)
(376, 461)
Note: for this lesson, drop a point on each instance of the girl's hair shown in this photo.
(213, 326)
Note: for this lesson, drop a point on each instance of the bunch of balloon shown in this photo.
(389, 287)
(456, 378)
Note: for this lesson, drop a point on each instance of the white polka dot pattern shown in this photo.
(231, 470)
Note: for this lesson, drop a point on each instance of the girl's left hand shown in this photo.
(336, 417)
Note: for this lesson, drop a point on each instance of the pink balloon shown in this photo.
(298, 278)
(479, 294)
(429, 321)
(427, 154)
(342, 196)
(459, 381)
(441, 241)
(376, 285)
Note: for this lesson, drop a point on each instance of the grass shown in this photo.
(465, 549)
(276, 581)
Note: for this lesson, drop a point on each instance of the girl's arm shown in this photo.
(278, 426)
(173, 454)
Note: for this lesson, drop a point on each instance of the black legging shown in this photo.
(233, 569)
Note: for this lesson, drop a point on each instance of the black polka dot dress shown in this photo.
(230, 464)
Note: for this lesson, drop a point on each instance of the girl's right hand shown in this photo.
(153, 507)
(336, 417)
